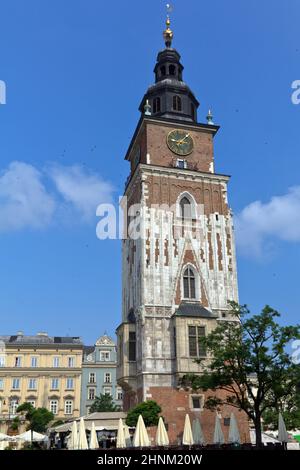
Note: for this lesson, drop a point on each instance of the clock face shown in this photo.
(180, 142)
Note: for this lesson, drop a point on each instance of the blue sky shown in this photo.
(75, 73)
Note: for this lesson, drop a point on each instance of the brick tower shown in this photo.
(179, 266)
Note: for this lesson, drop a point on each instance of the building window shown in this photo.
(32, 402)
(92, 378)
(185, 208)
(2, 361)
(174, 339)
(196, 348)
(15, 384)
(172, 70)
(193, 111)
(107, 377)
(226, 421)
(33, 361)
(13, 405)
(132, 346)
(156, 105)
(55, 384)
(54, 406)
(68, 407)
(91, 394)
(181, 164)
(56, 361)
(32, 384)
(163, 70)
(197, 402)
(69, 383)
(189, 291)
(18, 361)
(119, 394)
(1, 384)
(105, 356)
(107, 391)
(176, 103)
(71, 362)
(120, 349)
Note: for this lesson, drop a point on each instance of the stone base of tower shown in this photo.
(176, 403)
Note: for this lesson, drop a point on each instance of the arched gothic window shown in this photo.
(177, 103)
(185, 208)
(189, 291)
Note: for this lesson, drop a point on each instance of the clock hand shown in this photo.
(182, 140)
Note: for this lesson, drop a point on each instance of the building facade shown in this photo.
(42, 370)
(179, 265)
(99, 373)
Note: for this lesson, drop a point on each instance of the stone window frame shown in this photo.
(107, 378)
(107, 389)
(53, 406)
(105, 351)
(68, 406)
(32, 383)
(91, 389)
(94, 380)
(197, 297)
(196, 325)
(196, 395)
(190, 197)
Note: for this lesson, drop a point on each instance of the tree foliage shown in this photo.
(148, 409)
(38, 418)
(248, 359)
(104, 402)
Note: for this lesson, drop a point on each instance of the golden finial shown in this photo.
(168, 33)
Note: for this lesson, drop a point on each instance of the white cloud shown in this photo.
(24, 200)
(81, 188)
(27, 202)
(261, 223)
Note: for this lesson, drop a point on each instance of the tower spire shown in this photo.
(168, 33)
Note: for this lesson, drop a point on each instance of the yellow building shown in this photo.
(42, 370)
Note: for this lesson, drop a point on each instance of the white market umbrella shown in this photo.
(82, 440)
(121, 441)
(94, 444)
(5, 437)
(234, 434)
(127, 436)
(73, 440)
(187, 438)
(162, 438)
(140, 438)
(197, 432)
(282, 432)
(31, 436)
(218, 433)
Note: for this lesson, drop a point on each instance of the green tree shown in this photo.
(248, 360)
(148, 409)
(290, 410)
(104, 402)
(38, 418)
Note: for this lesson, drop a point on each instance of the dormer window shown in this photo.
(156, 105)
(177, 103)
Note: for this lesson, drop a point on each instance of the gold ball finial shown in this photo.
(168, 33)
